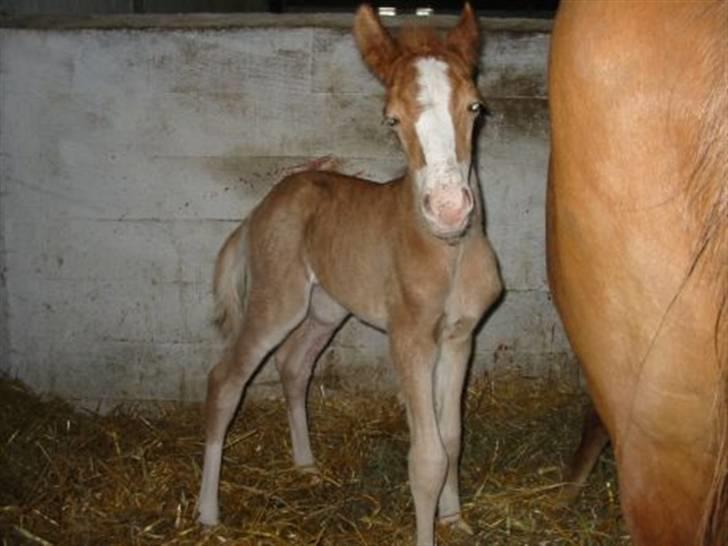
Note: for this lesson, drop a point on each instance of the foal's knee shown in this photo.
(427, 466)
(451, 440)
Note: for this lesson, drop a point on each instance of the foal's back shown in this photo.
(343, 233)
(306, 195)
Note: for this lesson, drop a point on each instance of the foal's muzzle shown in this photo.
(448, 210)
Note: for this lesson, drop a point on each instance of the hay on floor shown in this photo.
(70, 477)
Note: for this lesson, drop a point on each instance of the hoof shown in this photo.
(457, 523)
(312, 472)
(208, 518)
(309, 469)
(568, 494)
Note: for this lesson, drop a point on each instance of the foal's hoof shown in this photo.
(309, 469)
(313, 473)
(456, 522)
(208, 519)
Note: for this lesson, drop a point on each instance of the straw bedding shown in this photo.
(71, 477)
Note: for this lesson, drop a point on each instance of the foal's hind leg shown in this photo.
(267, 321)
(295, 360)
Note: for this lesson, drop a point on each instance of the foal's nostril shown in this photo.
(428, 204)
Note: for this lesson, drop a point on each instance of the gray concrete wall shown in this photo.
(128, 155)
(4, 324)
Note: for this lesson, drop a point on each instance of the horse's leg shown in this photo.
(449, 379)
(270, 315)
(414, 354)
(679, 478)
(295, 360)
(594, 439)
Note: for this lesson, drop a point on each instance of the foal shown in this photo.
(409, 257)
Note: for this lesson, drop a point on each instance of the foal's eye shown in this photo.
(476, 107)
(391, 121)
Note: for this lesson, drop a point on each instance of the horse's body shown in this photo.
(638, 248)
(409, 257)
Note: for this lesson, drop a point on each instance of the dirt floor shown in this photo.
(70, 477)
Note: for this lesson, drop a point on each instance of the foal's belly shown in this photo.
(369, 310)
(356, 278)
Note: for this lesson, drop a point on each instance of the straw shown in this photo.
(131, 477)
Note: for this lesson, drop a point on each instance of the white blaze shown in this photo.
(435, 128)
(442, 178)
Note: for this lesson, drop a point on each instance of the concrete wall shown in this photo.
(128, 155)
(4, 324)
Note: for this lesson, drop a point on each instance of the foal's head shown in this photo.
(432, 104)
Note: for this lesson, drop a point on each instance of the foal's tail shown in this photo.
(230, 283)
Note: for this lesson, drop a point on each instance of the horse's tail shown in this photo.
(230, 284)
(709, 195)
(715, 522)
(715, 525)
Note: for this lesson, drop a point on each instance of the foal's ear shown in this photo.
(464, 39)
(377, 47)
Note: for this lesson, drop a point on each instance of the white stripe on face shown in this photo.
(435, 128)
(442, 182)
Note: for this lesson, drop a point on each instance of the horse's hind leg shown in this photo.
(295, 360)
(270, 315)
(594, 438)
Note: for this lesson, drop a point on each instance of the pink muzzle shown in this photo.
(448, 209)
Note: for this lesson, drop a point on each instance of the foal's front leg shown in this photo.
(449, 380)
(414, 353)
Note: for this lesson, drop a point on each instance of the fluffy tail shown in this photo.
(229, 284)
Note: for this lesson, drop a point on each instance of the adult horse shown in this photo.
(638, 247)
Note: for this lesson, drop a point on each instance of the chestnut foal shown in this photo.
(409, 257)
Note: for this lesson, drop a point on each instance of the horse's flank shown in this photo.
(638, 247)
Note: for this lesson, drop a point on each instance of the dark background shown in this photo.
(492, 8)
(527, 7)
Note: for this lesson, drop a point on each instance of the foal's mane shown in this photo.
(420, 40)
